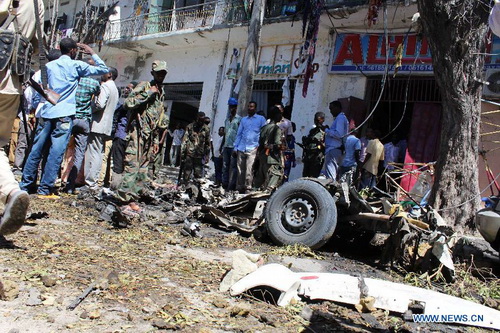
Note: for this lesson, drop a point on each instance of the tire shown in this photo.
(314, 227)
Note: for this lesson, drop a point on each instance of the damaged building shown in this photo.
(381, 70)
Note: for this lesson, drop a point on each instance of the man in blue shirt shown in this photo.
(245, 146)
(57, 120)
(333, 140)
(351, 159)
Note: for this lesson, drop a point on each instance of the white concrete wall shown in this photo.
(184, 66)
(200, 61)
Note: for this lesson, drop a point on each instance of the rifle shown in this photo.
(181, 171)
(26, 134)
(51, 96)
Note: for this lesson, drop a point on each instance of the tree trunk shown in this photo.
(249, 65)
(456, 32)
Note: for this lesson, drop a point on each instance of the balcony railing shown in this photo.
(171, 20)
(204, 15)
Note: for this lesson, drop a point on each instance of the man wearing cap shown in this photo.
(146, 115)
(229, 169)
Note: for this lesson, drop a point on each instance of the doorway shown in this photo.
(409, 109)
(269, 92)
(394, 112)
(184, 100)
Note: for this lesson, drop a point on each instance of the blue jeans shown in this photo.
(368, 180)
(57, 131)
(218, 162)
(333, 159)
(229, 169)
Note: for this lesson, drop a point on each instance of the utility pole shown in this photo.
(251, 55)
(53, 21)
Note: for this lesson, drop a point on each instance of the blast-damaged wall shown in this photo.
(201, 64)
(197, 56)
(184, 66)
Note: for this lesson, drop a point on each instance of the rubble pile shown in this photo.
(140, 264)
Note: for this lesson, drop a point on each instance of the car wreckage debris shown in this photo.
(293, 216)
(192, 229)
(367, 293)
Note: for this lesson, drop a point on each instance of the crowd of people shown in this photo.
(73, 138)
(92, 131)
(258, 153)
(338, 153)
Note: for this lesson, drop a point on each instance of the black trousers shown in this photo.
(312, 168)
(118, 154)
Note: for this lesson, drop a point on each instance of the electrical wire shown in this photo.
(406, 93)
(473, 198)
(384, 78)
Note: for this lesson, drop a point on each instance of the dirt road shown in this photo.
(149, 278)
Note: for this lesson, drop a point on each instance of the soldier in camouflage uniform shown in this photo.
(145, 110)
(158, 159)
(195, 147)
(314, 148)
(270, 154)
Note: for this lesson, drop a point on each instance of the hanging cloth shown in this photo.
(285, 96)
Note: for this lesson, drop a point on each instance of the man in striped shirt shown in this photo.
(87, 88)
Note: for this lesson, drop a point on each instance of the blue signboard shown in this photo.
(353, 53)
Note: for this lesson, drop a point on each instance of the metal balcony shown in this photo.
(206, 15)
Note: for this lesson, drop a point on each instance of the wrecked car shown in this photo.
(304, 211)
(307, 211)
(488, 222)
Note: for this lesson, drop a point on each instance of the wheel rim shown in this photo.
(298, 215)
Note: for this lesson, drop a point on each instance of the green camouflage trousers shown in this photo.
(157, 161)
(136, 165)
(192, 164)
(274, 176)
(269, 175)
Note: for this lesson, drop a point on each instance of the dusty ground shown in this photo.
(150, 278)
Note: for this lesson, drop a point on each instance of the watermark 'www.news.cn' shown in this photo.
(450, 318)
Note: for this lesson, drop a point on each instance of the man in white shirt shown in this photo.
(176, 145)
(284, 124)
(24, 129)
(217, 146)
(102, 123)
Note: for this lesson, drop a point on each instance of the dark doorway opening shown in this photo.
(395, 110)
(409, 112)
(269, 92)
(185, 99)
